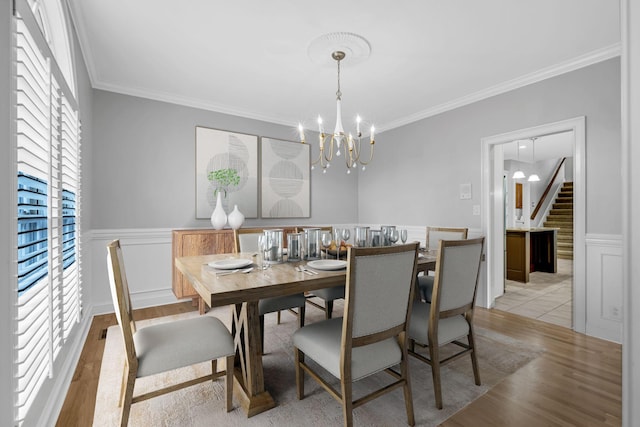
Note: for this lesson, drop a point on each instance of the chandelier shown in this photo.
(352, 145)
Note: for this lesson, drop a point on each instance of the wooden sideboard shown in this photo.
(530, 249)
(205, 241)
(196, 242)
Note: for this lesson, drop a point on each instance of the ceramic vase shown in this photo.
(218, 217)
(236, 218)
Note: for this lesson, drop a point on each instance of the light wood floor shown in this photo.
(577, 381)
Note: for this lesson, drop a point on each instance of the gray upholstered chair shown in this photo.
(328, 295)
(434, 235)
(371, 336)
(246, 240)
(165, 346)
(449, 316)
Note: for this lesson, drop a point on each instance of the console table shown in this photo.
(530, 249)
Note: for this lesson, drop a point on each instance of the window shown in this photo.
(48, 195)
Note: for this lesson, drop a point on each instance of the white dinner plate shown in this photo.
(230, 264)
(327, 264)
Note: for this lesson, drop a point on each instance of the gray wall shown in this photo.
(426, 161)
(143, 170)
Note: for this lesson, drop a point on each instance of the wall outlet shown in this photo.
(615, 312)
(476, 210)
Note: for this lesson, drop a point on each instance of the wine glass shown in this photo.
(393, 236)
(403, 236)
(346, 233)
(336, 238)
(325, 241)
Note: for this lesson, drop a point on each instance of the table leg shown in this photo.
(249, 375)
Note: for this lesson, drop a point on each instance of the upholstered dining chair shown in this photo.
(328, 295)
(371, 336)
(246, 240)
(165, 346)
(449, 316)
(434, 235)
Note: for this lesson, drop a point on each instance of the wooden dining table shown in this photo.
(243, 291)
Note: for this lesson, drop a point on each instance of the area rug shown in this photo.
(203, 404)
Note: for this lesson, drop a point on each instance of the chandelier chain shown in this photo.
(338, 93)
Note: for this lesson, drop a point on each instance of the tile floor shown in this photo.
(547, 296)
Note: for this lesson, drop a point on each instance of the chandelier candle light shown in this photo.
(352, 145)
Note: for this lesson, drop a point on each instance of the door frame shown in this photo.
(493, 222)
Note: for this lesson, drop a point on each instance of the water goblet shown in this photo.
(403, 235)
(393, 236)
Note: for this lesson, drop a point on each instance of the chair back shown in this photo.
(380, 284)
(435, 234)
(121, 299)
(246, 239)
(456, 280)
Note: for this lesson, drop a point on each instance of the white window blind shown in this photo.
(48, 161)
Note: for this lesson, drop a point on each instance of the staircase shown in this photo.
(561, 217)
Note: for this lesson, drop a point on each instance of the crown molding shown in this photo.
(582, 61)
(191, 102)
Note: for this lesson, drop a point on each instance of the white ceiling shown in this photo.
(547, 147)
(249, 58)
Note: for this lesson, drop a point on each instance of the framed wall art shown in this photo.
(226, 162)
(285, 184)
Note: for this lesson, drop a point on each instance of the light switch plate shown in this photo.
(465, 191)
(476, 210)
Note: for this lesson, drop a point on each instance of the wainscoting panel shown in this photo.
(604, 287)
(147, 258)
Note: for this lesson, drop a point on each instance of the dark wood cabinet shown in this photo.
(530, 249)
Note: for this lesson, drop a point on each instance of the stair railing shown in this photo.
(546, 191)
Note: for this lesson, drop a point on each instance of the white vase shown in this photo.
(218, 217)
(236, 218)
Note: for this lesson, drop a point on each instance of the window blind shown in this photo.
(48, 161)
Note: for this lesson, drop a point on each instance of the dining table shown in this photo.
(242, 290)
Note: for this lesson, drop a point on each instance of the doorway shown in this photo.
(493, 219)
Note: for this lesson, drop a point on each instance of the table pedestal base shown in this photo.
(248, 374)
(252, 405)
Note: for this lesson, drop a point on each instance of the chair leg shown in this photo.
(347, 401)
(123, 384)
(127, 399)
(299, 358)
(301, 313)
(474, 356)
(328, 309)
(278, 321)
(214, 369)
(434, 353)
(408, 398)
(229, 383)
